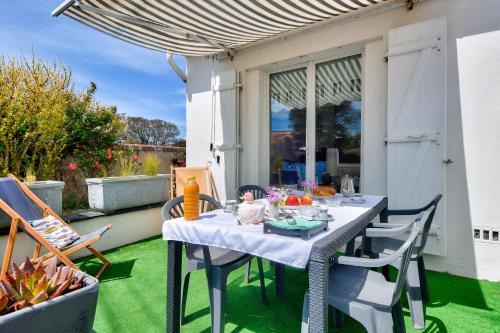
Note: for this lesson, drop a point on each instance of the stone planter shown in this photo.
(115, 193)
(49, 191)
(70, 313)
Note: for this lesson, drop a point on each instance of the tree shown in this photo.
(151, 131)
(93, 132)
(43, 119)
(33, 100)
(180, 143)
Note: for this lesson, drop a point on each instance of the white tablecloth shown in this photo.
(222, 230)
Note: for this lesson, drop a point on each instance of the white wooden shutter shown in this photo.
(416, 121)
(225, 139)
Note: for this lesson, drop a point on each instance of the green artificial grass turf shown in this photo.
(132, 298)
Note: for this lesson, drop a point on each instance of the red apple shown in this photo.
(292, 200)
(306, 200)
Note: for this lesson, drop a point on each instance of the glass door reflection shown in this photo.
(338, 120)
(287, 127)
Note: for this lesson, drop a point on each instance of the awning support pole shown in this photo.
(177, 70)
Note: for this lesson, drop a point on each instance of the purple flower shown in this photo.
(309, 185)
(273, 194)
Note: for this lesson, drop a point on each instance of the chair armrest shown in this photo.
(415, 211)
(387, 232)
(384, 216)
(364, 262)
(387, 225)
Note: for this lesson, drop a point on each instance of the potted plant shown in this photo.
(49, 191)
(273, 196)
(47, 299)
(129, 190)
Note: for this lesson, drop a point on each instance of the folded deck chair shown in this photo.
(43, 225)
(179, 178)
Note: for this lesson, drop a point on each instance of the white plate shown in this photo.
(289, 207)
(330, 218)
(315, 204)
(357, 200)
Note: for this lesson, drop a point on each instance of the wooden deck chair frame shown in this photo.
(62, 254)
(210, 185)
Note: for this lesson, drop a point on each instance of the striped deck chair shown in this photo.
(43, 225)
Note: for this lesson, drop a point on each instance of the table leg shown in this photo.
(318, 297)
(174, 267)
(279, 271)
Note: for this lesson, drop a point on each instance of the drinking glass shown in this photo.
(230, 206)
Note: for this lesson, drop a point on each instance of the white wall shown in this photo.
(464, 190)
(479, 77)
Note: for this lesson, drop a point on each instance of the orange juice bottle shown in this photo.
(191, 200)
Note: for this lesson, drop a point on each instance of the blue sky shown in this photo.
(137, 80)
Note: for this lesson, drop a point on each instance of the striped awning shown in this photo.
(202, 27)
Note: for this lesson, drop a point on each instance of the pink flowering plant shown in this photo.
(273, 194)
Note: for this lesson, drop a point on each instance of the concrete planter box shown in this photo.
(49, 191)
(70, 313)
(115, 193)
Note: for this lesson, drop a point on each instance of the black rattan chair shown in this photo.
(258, 193)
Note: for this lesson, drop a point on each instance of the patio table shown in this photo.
(221, 230)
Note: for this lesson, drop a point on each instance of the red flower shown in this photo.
(136, 157)
(72, 166)
(98, 165)
(109, 150)
(109, 156)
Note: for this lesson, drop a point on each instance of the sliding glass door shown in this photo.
(338, 119)
(288, 126)
(315, 122)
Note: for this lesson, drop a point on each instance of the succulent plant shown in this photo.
(27, 285)
(4, 301)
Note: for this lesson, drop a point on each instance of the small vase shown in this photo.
(273, 210)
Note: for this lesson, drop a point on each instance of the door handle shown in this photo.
(414, 137)
(303, 148)
(448, 161)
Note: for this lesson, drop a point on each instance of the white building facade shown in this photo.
(424, 90)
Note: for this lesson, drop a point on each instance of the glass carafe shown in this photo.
(347, 186)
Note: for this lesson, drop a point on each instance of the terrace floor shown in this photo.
(132, 299)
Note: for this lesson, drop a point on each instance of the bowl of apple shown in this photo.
(293, 201)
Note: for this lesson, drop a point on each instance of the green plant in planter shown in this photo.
(151, 164)
(127, 166)
(30, 175)
(28, 285)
